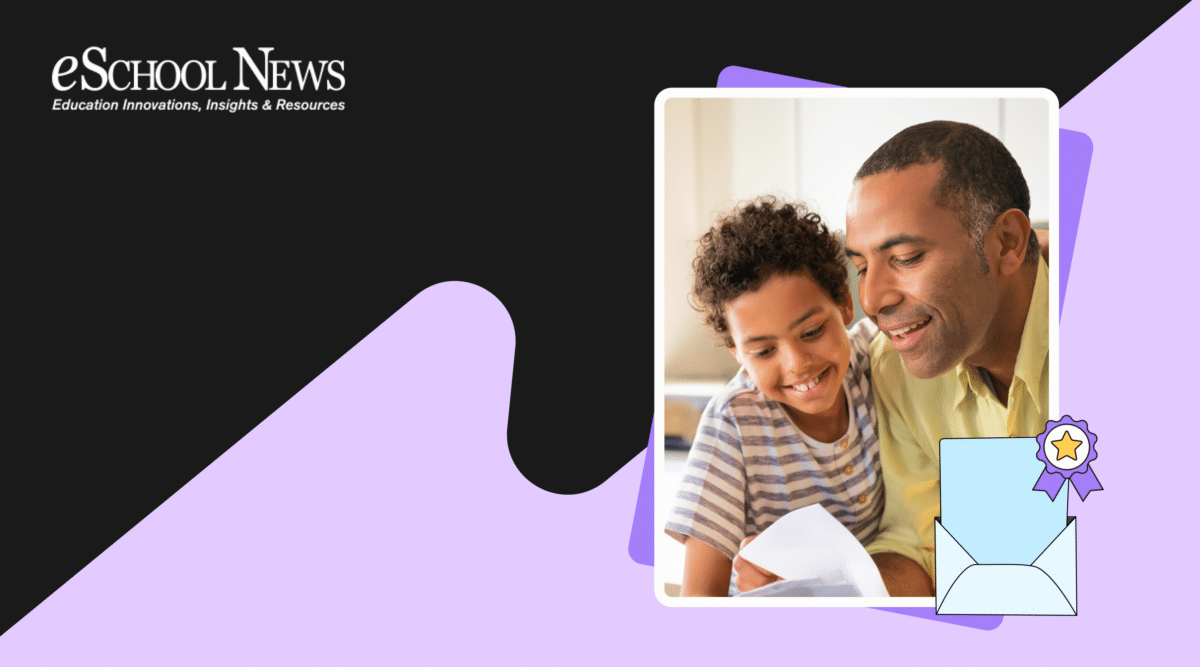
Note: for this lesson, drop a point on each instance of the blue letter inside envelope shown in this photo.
(1001, 547)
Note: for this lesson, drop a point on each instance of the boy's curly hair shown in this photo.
(758, 240)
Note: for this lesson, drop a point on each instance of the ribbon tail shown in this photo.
(1050, 482)
(1085, 483)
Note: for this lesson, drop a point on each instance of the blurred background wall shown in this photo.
(719, 152)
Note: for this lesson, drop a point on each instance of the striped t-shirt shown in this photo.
(750, 464)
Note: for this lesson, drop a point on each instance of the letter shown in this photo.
(314, 76)
(56, 73)
(244, 59)
(335, 73)
(158, 75)
(112, 80)
(88, 64)
(149, 75)
(212, 77)
(276, 75)
(183, 74)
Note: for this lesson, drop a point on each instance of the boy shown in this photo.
(796, 426)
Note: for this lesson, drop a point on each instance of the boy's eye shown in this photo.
(762, 353)
(814, 333)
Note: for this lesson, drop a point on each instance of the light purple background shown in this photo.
(376, 518)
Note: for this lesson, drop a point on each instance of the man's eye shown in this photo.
(909, 261)
(814, 333)
(862, 270)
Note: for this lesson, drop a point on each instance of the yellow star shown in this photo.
(1066, 447)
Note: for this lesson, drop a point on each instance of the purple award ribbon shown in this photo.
(1052, 478)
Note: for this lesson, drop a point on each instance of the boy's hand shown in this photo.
(749, 575)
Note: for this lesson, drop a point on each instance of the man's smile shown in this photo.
(906, 335)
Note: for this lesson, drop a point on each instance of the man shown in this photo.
(938, 228)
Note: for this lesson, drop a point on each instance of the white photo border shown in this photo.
(659, 294)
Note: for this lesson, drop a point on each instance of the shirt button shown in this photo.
(862, 500)
(845, 444)
(848, 469)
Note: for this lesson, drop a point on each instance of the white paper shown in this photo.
(810, 545)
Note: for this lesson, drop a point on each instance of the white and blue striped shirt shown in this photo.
(750, 464)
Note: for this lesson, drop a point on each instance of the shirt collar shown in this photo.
(1032, 357)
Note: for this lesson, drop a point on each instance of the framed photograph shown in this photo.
(881, 175)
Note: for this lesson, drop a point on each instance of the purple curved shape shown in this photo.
(977, 622)
(641, 537)
(1074, 162)
(741, 77)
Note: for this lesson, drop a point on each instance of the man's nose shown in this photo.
(877, 291)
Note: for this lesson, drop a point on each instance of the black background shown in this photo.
(177, 276)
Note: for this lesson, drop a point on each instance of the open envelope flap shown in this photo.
(950, 559)
(1058, 562)
(1011, 590)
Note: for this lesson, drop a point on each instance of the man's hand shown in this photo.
(749, 575)
(902, 576)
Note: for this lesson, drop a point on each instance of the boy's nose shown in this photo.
(796, 360)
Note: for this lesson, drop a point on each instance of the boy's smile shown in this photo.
(809, 388)
(790, 336)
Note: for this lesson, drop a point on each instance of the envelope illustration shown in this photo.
(1045, 587)
(1000, 547)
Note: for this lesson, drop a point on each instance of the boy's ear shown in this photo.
(847, 308)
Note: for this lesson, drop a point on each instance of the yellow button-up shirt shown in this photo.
(915, 414)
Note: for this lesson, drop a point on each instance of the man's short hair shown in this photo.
(980, 179)
(760, 239)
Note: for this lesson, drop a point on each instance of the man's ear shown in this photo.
(1011, 229)
(847, 308)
